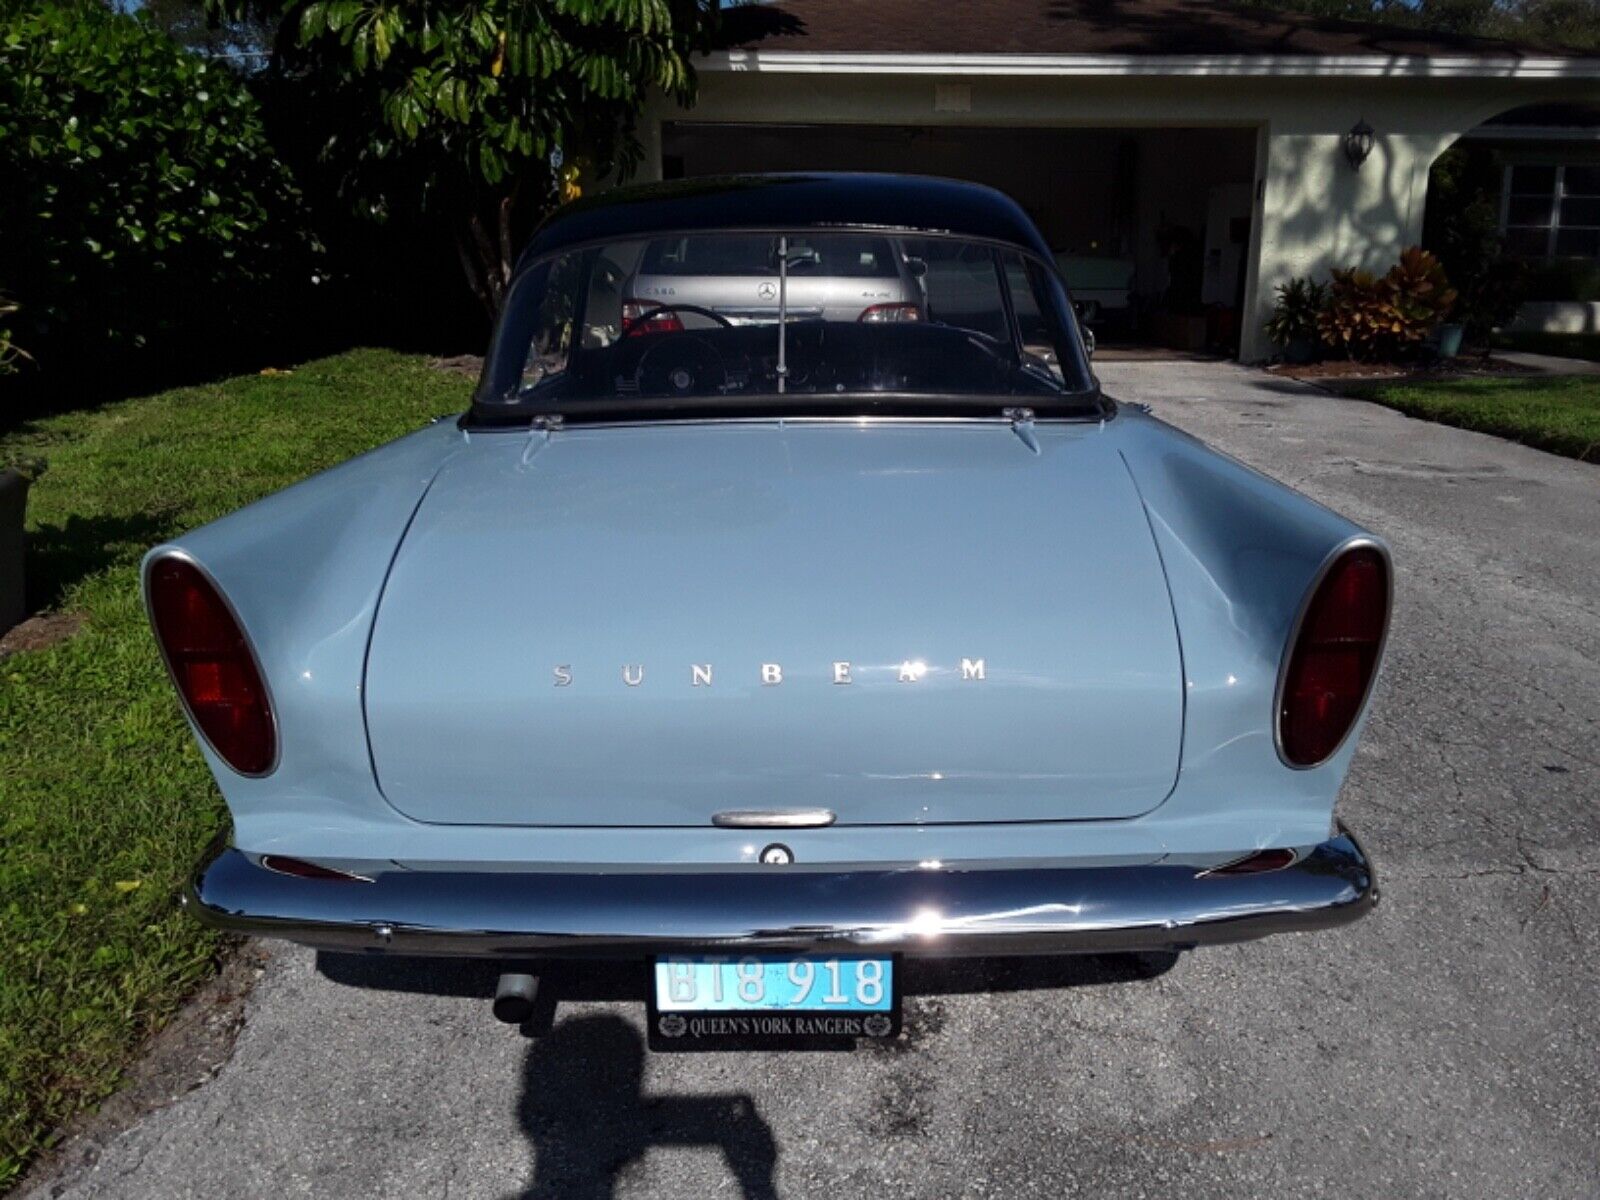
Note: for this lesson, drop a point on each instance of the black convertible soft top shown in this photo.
(858, 201)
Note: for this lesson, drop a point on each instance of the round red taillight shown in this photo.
(212, 665)
(1333, 657)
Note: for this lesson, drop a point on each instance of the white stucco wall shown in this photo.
(1557, 316)
(1313, 212)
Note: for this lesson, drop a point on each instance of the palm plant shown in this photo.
(1293, 324)
(10, 352)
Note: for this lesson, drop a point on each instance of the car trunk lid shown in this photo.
(896, 622)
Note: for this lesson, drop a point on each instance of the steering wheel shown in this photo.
(680, 366)
(696, 309)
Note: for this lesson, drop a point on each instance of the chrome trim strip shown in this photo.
(250, 645)
(949, 911)
(1358, 542)
(1099, 418)
(1222, 867)
(774, 818)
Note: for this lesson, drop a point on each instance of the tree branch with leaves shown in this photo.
(472, 114)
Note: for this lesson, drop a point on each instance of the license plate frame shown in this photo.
(811, 1026)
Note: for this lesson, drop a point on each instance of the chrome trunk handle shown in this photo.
(774, 818)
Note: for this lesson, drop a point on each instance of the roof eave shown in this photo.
(1365, 66)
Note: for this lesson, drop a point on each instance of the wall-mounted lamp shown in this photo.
(1358, 143)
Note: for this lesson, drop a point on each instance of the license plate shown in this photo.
(707, 1001)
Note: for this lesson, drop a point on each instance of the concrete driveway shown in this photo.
(1449, 1045)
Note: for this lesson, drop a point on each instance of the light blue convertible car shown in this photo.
(773, 647)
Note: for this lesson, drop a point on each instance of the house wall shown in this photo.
(1094, 193)
(1313, 211)
(1069, 186)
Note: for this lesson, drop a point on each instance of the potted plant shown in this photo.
(1447, 339)
(14, 484)
(1293, 324)
(1421, 299)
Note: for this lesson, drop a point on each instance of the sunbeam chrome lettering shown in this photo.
(773, 674)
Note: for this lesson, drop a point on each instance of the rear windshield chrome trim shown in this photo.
(1107, 412)
(534, 254)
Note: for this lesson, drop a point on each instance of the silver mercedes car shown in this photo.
(739, 281)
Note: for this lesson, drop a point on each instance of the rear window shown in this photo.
(843, 257)
(717, 326)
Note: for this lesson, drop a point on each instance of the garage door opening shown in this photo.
(1151, 227)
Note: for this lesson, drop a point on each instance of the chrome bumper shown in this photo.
(950, 911)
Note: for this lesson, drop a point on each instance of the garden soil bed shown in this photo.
(37, 633)
(1339, 374)
(461, 364)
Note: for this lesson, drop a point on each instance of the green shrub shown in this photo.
(1356, 316)
(1462, 227)
(1386, 317)
(1420, 294)
(138, 193)
(1294, 316)
(482, 116)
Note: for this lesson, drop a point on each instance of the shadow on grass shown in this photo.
(67, 386)
(59, 556)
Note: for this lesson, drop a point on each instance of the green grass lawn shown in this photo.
(104, 800)
(1563, 345)
(1557, 414)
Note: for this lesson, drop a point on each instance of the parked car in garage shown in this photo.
(823, 277)
(1101, 284)
(773, 653)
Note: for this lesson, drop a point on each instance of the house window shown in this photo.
(1551, 211)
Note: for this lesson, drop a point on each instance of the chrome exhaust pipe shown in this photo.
(514, 997)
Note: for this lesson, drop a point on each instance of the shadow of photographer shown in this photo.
(587, 1116)
(602, 980)
(583, 1106)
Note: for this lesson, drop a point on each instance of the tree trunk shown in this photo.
(508, 202)
(487, 258)
(473, 269)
